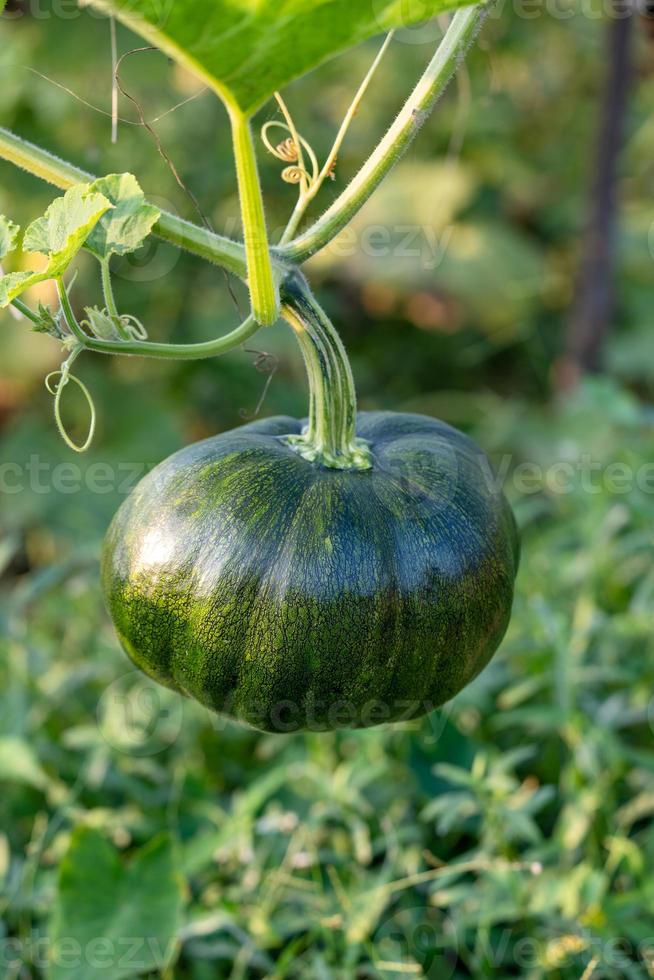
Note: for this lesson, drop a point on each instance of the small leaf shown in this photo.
(123, 916)
(59, 234)
(128, 224)
(48, 322)
(63, 229)
(8, 236)
(15, 283)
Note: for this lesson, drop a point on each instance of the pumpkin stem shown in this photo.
(330, 436)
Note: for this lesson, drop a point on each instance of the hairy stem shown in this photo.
(460, 34)
(308, 195)
(108, 289)
(221, 251)
(263, 289)
(148, 348)
(330, 437)
(25, 311)
(109, 299)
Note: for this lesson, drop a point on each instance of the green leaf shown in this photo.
(110, 919)
(48, 322)
(8, 234)
(59, 234)
(128, 224)
(63, 229)
(246, 49)
(15, 283)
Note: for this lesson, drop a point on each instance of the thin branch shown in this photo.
(23, 310)
(110, 115)
(330, 162)
(163, 153)
(148, 348)
(462, 31)
(114, 80)
(594, 304)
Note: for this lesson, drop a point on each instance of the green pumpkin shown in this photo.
(289, 594)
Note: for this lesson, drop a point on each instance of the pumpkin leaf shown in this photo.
(126, 226)
(8, 236)
(63, 229)
(247, 49)
(15, 283)
(59, 234)
(123, 917)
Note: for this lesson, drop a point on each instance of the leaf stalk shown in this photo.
(462, 30)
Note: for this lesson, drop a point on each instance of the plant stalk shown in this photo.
(25, 311)
(264, 295)
(109, 299)
(330, 437)
(460, 34)
(107, 288)
(214, 248)
(149, 348)
(267, 265)
(594, 305)
(310, 192)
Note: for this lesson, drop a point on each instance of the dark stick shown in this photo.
(594, 305)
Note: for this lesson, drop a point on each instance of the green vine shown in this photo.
(142, 348)
(462, 30)
(291, 150)
(110, 216)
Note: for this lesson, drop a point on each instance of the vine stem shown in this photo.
(214, 248)
(330, 437)
(148, 348)
(310, 192)
(25, 311)
(231, 255)
(462, 30)
(264, 295)
(109, 298)
(107, 288)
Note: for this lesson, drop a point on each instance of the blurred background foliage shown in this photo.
(509, 834)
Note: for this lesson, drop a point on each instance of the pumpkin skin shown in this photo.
(293, 596)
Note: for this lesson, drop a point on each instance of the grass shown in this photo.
(509, 834)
